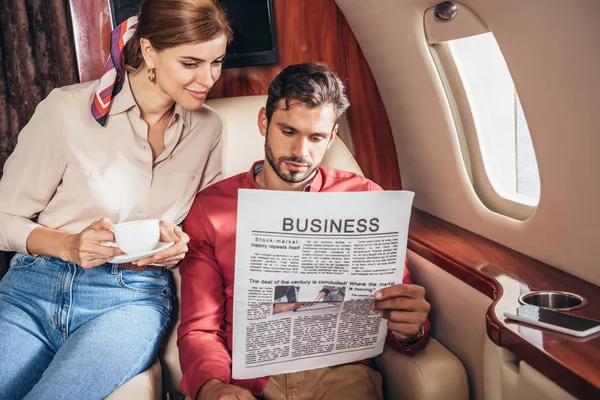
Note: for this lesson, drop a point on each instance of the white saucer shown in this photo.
(125, 258)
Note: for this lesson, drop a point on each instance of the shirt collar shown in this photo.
(250, 181)
(313, 186)
(185, 115)
(317, 182)
(124, 101)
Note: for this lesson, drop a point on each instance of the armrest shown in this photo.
(145, 386)
(169, 353)
(434, 373)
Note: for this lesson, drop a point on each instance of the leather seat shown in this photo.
(433, 374)
(147, 385)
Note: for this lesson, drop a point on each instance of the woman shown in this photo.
(134, 145)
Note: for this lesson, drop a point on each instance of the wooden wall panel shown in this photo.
(307, 30)
(316, 31)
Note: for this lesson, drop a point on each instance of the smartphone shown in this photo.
(555, 320)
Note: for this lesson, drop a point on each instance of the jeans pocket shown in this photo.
(148, 281)
(24, 261)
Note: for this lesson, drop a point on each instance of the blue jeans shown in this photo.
(69, 332)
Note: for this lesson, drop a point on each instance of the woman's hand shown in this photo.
(171, 256)
(84, 248)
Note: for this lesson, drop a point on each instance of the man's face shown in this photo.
(296, 139)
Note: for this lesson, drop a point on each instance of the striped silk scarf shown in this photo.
(113, 76)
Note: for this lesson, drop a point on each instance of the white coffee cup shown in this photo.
(136, 237)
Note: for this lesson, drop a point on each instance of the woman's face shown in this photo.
(186, 73)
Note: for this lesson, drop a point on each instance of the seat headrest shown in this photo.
(243, 144)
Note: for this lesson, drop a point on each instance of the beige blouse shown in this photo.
(68, 171)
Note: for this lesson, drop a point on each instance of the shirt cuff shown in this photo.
(411, 349)
(19, 229)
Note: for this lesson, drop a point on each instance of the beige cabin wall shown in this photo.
(550, 47)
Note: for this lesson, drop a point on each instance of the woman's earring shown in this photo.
(152, 75)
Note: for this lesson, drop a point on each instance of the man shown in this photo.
(299, 124)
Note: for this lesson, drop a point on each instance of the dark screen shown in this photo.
(251, 20)
(251, 25)
(568, 321)
(123, 9)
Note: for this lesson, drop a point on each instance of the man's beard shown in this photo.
(291, 176)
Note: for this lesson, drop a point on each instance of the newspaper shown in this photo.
(306, 268)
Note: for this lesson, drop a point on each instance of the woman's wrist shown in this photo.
(50, 242)
(67, 243)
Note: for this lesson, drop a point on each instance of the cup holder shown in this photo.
(553, 300)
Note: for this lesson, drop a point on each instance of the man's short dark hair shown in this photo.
(311, 85)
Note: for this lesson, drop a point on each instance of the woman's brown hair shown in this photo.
(170, 23)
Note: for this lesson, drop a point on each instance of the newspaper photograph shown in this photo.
(306, 268)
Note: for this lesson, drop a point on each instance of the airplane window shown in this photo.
(498, 120)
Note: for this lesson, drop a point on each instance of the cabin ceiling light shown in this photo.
(445, 11)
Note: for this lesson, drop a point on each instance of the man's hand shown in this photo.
(405, 308)
(319, 297)
(315, 300)
(214, 389)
